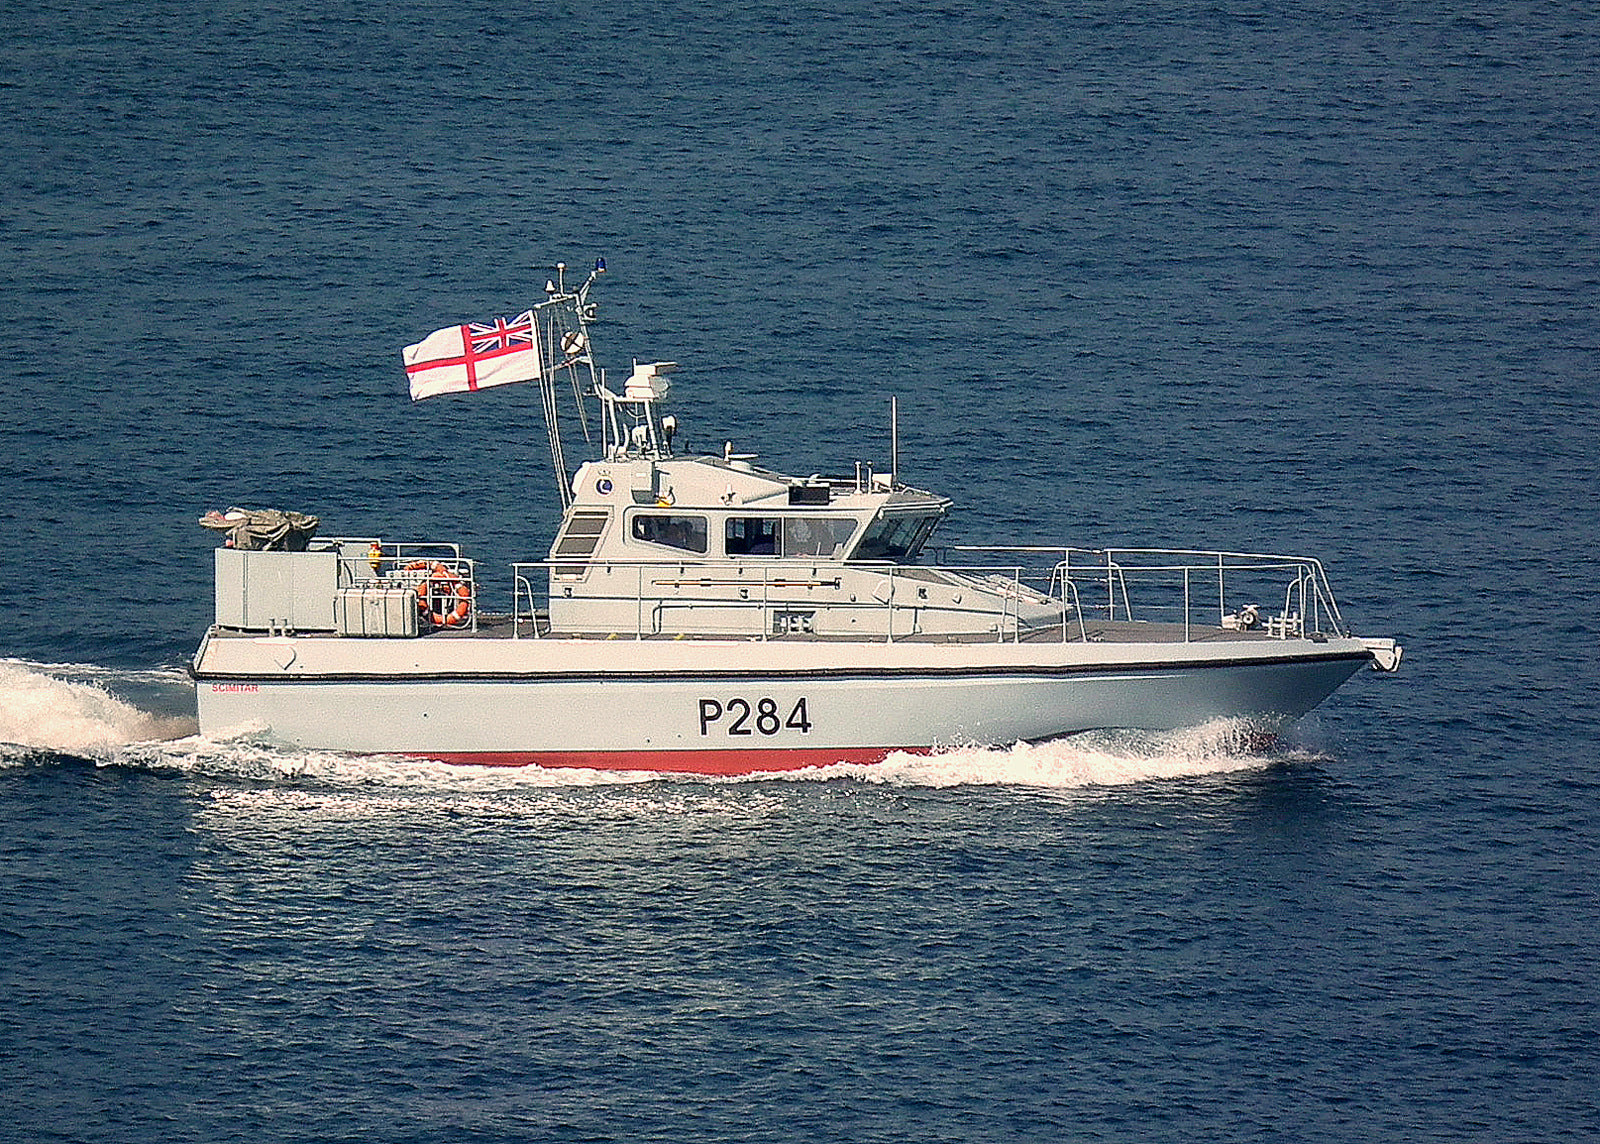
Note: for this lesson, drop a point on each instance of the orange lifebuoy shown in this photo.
(436, 592)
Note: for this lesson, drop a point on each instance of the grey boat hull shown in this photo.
(763, 706)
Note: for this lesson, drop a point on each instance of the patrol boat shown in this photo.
(704, 614)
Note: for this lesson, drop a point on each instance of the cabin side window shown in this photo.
(898, 538)
(751, 535)
(792, 536)
(685, 533)
(816, 536)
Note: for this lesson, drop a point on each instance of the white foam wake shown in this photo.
(242, 758)
(1092, 760)
(70, 709)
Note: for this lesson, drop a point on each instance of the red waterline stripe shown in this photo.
(675, 762)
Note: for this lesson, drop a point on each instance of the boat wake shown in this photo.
(1091, 759)
(143, 720)
(87, 711)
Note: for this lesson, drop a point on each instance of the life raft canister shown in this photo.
(443, 598)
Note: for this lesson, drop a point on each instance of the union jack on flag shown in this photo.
(473, 356)
(503, 335)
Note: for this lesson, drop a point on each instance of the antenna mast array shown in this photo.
(564, 318)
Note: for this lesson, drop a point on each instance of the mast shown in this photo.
(563, 326)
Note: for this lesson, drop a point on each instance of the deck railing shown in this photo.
(1280, 596)
(761, 586)
(1197, 589)
(1213, 589)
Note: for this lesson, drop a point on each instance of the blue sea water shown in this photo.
(1303, 277)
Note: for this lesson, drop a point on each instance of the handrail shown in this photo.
(1320, 599)
(1076, 609)
(765, 580)
(1009, 598)
(1134, 585)
(517, 585)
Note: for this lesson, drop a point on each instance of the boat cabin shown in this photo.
(695, 546)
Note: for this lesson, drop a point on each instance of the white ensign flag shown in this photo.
(472, 356)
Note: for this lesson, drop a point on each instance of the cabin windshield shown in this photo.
(898, 538)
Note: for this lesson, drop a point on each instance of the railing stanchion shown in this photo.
(1185, 603)
(1222, 595)
(888, 605)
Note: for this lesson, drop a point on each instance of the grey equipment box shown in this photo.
(375, 609)
(276, 591)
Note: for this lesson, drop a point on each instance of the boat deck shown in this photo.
(502, 627)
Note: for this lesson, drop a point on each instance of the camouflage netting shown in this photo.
(263, 529)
